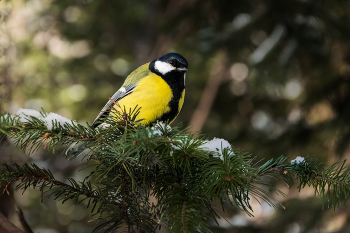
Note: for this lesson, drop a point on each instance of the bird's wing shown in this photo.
(121, 93)
(127, 88)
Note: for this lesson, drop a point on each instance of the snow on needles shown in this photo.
(52, 117)
(155, 130)
(49, 119)
(216, 145)
(298, 160)
(24, 114)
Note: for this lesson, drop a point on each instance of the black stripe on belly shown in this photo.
(176, 82)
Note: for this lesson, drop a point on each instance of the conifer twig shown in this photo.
(134, 163)
(59, 183)
(318, 177)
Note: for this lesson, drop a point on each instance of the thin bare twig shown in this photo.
(23, 221)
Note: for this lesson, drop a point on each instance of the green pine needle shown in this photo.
(147, 178)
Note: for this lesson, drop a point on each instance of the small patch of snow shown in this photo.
(51, 118)
(216, 145)
(25, 114)
(156, 131)
(298, 160)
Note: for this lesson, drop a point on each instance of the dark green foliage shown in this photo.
(32, 134)
(159, 177)
(313, 51)
(330, 182)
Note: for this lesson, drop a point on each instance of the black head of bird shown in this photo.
(172, 68)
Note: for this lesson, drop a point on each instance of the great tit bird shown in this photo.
(157, 88)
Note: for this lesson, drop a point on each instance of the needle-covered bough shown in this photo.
(146, 178)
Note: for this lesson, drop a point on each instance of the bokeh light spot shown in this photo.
(260, 120)
(238, 88)
(72, 14)
(239, 71)
(76, 92)
(80, 49)
(120, 66)
(241, 20)
(319, 113)
(294, 115)
(292, 89)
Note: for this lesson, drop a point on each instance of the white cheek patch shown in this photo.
(163, 67)
(184, 78)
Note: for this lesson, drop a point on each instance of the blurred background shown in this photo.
(271, 77)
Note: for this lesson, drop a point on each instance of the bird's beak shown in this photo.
(182, 69)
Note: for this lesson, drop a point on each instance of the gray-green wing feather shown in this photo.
(127, 88)
(138, 74)
(122, 92)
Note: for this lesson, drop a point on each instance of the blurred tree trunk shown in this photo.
(217, 73)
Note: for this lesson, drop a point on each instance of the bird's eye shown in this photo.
(175, 63)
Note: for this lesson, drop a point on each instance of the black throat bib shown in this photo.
(176, 82)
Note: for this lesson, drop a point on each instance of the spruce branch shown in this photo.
(147, 178)
(43, 179)
(331, 181)
(314, 176)
(31, 132)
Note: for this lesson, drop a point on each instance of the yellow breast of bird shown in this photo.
(152, 95)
